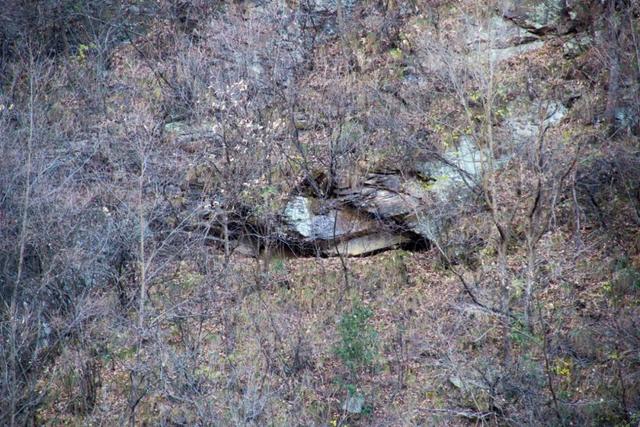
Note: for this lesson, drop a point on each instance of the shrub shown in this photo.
(358, 345)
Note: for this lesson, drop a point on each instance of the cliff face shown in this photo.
(320, 213)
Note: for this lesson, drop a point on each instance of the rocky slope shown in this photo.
(327, 212)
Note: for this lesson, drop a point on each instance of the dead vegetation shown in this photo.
(141, 141)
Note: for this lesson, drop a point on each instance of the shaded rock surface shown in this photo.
(367, 244)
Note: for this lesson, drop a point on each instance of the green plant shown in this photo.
(358, 345)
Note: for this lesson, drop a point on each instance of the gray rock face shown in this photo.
(577, 45)
(392, 200)
(502, 38)
(548, 16)
(454, 178)
(338, 231)
(382, 203)
(461, 165)
(333, 225)
(385, 210)
(353, 224)
(524, 122)
(538, 16)
(502, 54)
(298, 215)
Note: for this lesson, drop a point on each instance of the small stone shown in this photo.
(456, 381)
(354, 404)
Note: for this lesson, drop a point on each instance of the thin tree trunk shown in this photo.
(13, 309)
(491, 190)
(614, 64)
(505, 301)
(548, 369)
(530, 281)
(141, 223)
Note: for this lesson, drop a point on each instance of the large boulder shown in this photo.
(363, 219)
(334, 224)
(548, 16)
(334, 228)
(537, 16)
(386, 196)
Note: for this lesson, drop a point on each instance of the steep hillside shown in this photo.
(326, 212)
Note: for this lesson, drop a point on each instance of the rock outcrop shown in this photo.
(503, 38)
(384, 209)
(350, 224)
(548, 16)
